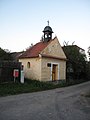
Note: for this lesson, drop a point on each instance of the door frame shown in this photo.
(58, 70)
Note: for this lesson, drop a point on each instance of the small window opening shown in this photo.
(28, 65)
(48, 64)
(46, 36)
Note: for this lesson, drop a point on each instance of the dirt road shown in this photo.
(58, 104)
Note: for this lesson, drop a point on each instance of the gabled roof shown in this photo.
(74, 46)
(35, 50)
(16, 55)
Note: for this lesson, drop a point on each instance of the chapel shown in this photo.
(46, 60)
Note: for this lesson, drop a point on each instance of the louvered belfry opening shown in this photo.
(47, 33)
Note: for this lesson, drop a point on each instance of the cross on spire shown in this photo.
(48, 22)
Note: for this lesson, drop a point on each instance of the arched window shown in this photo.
(28, 65)
(46, 36)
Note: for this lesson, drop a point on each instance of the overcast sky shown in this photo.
(22, 22)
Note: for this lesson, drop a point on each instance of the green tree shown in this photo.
(88, 65)
(89, 52)
(76, 61)
(5, 55)
(88, 70)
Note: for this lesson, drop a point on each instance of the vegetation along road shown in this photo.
(69, 103)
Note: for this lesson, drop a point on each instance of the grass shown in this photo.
(29, 86)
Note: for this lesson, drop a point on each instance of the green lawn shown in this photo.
(27, 87)
(30, 86)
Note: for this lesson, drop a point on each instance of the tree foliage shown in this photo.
(76, 61)
(88, 65)
(5, 55)
(89, 52)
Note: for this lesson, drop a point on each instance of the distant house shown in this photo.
(81, 50)
(15, 55)
(45, 61)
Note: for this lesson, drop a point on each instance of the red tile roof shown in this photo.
(35, 50)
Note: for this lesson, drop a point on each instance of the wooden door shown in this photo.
(54, 72)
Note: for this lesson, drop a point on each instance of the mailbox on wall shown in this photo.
(15, 73)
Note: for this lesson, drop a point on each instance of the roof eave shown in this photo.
(54, 57)
(29, 57)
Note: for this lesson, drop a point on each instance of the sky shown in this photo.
(22, 22)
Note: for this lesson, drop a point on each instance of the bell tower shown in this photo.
(47, 33)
